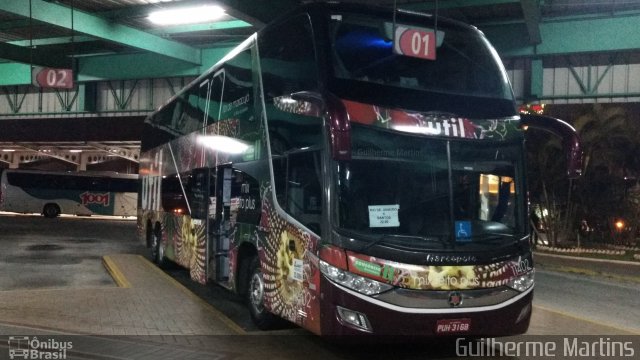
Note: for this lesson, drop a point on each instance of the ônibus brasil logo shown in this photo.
(92, 198)
(31, 348)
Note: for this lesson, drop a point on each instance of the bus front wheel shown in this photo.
(263, 319)
(157, 250)
(51, 210)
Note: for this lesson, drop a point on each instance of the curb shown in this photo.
(621, 262)
(115, 273)
(122, 282)
(217, 313)
(583, 269)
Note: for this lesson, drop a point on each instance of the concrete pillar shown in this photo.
(15, 161)
(537, 78)
(82, 166)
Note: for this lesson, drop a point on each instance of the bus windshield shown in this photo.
(464, 64)
(430, 194)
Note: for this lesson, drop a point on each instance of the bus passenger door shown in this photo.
(222, 227)
(197, 184)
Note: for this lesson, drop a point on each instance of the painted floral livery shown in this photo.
(430, 277)
(432, 123)
(290, 270)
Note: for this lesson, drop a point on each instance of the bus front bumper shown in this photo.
(345, 312)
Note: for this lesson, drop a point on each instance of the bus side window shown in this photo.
(68, 182)
(157, 128)
(215, 97)
(288, 58)
(172, 196)
(187, 117)
(198, 193)
(98, 184)
(288, 64)
(123, 185)
(280, 176)
(304, 194)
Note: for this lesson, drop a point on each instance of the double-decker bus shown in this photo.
(353, 171)
(53, 193)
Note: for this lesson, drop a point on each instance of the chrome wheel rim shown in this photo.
(256, 289)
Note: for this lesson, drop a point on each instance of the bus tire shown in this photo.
(157, 250)
(51, 210)
(263, 319)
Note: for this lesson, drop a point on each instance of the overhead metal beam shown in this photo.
(122, 66)
(52, 41)
(88, 24)
(129, 154)
(60, 155)
(567, 36)
(258, 12)
(220, 25)
(15, 74)
(452, 4)
(14, 24)
(34, 56)
(144, 66)
(532, 16)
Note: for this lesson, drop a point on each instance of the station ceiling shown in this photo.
(110, 39)
(113, 39)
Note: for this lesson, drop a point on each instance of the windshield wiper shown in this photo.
(412, 238)
(490, 238)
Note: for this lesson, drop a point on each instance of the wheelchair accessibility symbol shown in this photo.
(463, 231)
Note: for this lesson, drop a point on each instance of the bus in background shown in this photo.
(353, 171)
(73, 193)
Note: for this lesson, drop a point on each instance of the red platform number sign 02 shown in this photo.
(52, 78)
(420, 43)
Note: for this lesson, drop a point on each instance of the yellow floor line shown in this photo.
(115, 272)
(576, 317)
(217, 313)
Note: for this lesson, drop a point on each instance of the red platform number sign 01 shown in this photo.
(418, 43)
(52, 78)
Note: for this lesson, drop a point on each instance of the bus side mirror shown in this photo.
(338, 123)
(312, 100)
(570, 139)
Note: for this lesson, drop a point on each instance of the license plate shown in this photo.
(453, 326)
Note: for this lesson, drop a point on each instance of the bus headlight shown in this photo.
(352, 281)
(522, 282)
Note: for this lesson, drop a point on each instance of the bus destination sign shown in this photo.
(51, 78)
(415, 42)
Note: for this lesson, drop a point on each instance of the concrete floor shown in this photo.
(55, 286)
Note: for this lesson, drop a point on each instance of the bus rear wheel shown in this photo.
(263, 319)
(51, 210)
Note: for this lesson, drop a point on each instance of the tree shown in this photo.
(611, 145)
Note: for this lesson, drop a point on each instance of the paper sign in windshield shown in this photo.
(384, 215)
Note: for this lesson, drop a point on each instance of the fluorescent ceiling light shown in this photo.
(191, 15)
(223, 144)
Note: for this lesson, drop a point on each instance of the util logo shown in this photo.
(92, 198)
